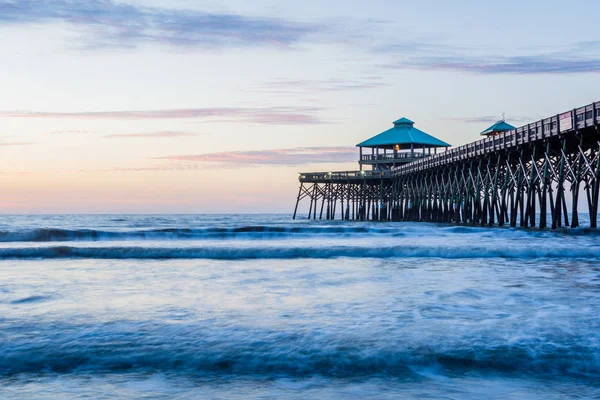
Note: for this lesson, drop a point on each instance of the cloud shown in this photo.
(164, 134)
(437, 56)
(245, 159)
(529, 65)
(291, 156)
(290, 86)
(115, 24)
(490, 119)
(15, 173)
(109, 23)
(71, 132)
(16, 143)
(263, 116)
(158, 167)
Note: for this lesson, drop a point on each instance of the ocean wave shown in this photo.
(508, 250)
(279, 232)
(243, 352)
(62, 235)
(30, 299)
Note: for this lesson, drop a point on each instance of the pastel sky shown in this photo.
(185, 106)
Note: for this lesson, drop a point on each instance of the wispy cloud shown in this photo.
(291, 156)
(110, 23)
(161, 166)
(522, 65)
(439, 54)
(14, 173)
(71, 132)
(16, 143)
(485, 119)
(153, 135)
(436, 55)
(295, 86)
(264, 116)
(115, 24)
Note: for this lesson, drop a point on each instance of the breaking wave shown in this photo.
(274, 232)
(234, 253)
(62, 235)
(244, 352)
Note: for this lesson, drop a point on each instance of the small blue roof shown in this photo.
(403, 132)
(498, 127)
(403, 120)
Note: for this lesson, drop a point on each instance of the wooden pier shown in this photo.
(520, 177)
(359, 194)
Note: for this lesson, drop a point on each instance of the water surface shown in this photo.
(262, 307)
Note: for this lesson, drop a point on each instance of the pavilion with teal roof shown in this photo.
(499, 127)
(398, 145)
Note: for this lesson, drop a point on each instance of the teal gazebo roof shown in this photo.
(403, 132)
(498, 127)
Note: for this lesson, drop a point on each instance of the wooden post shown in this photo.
(530, 216)
(494, 204)
(503, 193)
(298, 199)
(322, 204)
(381, 200)
(311, 202)
(332, 201)
(544, 198)
(348, 200)
(327, 213)
(486, 195)
(575, 189)
(595, 198)
(560, 192)
(595, 194)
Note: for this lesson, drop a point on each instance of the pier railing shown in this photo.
(343, 176)
(404, 156)
(546, 128)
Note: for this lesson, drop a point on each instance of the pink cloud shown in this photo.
(16, 143)
(292, 156)
(71, 132)
(263, 116)
(164, 134)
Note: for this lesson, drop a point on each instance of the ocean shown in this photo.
(263, 307)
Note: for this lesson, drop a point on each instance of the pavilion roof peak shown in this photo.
(403, 121)
(403, 133)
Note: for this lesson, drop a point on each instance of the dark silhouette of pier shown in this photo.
(514, 176)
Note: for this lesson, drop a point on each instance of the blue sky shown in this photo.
(205, 106)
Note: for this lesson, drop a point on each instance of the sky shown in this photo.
(181, 106)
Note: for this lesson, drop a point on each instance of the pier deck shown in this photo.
(343, 176)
